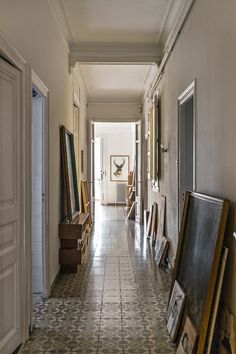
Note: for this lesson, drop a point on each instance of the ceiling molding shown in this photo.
(85, 53)
(62, 22)
(152, 72)
(114, 101)
(169, 45)
(175, 22)
(164, 22)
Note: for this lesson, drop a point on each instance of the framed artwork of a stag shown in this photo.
(119, 168)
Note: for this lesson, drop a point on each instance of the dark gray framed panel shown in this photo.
(198, 256)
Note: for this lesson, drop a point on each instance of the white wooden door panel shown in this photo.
(10, 208)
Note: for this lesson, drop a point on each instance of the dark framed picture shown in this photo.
(119, 168)
(188, 340)
(175, 310)
(69, 173)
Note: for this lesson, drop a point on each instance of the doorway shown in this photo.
(114, 143)
(186, 107)
(39, 156)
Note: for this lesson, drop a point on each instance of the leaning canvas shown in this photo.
(161, 250)
(175, 310)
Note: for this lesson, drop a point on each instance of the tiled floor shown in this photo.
(115, 304)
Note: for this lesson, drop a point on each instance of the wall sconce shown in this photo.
(163, 148)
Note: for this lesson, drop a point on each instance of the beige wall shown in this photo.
(112, 111)
(31, 28)
(205, 50)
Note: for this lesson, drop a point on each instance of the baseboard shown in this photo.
(55, 280)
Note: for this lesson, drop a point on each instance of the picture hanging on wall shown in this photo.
(119, 168)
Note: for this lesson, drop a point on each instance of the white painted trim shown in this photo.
(165, 17)
(114, 53)
(36, 81)
(79, 81)
(62, 23)
(179, 22)
(190, 91)
(8, 52)
(39, 84)
(169, 45)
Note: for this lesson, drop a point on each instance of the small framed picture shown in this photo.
(161, 250)
(119, 168)
(188, 340)
(175, 310)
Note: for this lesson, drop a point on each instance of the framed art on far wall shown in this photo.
(119, 168)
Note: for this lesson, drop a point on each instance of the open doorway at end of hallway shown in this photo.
(114, 157)
(39, 155)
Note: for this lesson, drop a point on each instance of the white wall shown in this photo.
(31, 28)
(205, 51)
(118, 139)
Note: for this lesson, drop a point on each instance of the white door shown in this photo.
(138, 173)
(92, 186)
(10, 208)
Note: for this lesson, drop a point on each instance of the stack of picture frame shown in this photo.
(73, 226)
(198, 273)
(130, 196)
(155, 229)
(85, 199)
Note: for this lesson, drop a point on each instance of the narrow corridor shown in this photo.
(117, 301)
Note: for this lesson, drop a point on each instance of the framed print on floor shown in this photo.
(175, 310)
(119, 168)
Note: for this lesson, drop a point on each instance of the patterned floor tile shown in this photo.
(116, 303)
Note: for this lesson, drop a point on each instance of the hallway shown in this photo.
(117, 301)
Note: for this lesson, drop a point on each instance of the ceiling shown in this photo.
(116, 31)
(115, 82)
(115, 21)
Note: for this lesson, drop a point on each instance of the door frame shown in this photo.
(45, 232)
(8, 53)
(103, 167)
(189, 92)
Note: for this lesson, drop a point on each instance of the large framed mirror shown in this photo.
(69, 174)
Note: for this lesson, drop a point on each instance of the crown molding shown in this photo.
(114, 53)
(174, 22)
(62, 22)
